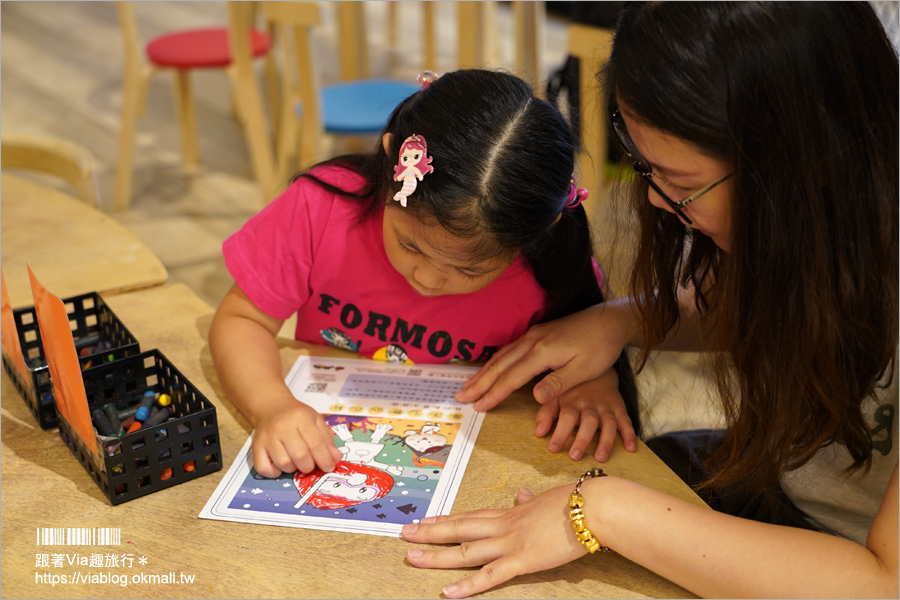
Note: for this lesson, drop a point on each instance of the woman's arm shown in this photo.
(290, 435)
(575, 349)
(706, 552)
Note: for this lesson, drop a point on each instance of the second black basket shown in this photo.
(184, 447)
(98, 333)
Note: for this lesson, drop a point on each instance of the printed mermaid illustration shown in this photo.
(356, 479)
(414, 163)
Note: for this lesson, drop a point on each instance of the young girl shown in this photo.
(765, 135)
(489, 239)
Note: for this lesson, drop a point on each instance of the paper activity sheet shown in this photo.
(405, 440)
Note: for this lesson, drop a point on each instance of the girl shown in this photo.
(491, 240)
(765, 135)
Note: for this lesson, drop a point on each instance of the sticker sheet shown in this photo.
(405, 440)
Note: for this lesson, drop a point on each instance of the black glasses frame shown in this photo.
(645, 171)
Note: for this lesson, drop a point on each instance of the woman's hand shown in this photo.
(502, 540)
(293, 437)
(576, 348)
(592, 405)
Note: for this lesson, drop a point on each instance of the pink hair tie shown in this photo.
(426, 78)
(577, 195)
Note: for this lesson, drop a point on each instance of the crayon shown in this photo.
(157, 417)
(189, 466)
(127, 413)
(85, 341)
(143, 410)
(113, 414)
(166, 474)
(101, 422)
(165, 400)
(134, 427)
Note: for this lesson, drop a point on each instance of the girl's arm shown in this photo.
(706, 552)
(290, 435)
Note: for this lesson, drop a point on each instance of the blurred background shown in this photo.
(62, 75)
(66, 66)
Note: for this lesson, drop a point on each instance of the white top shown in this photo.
(843, 504)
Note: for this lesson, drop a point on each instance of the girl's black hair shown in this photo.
(503, 163)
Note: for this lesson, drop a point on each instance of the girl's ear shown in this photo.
(386, 140)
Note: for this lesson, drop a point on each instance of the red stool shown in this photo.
(181, 51)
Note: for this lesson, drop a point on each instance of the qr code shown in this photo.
(315, 388)
(414, 372)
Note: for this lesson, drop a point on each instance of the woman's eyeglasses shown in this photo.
(643, 169)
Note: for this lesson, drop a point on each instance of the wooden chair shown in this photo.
(68, 161)
(429, 61)
(306, 111)
(592, 46)
(180, 52)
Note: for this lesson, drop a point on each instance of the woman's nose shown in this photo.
(657, 201)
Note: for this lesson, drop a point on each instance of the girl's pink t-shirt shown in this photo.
(307, 253)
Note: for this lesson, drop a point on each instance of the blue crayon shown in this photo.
(143, 410)
(157, 417)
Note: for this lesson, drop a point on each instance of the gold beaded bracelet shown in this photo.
(576, 502)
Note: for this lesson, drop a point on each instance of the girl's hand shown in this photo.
(291, 439)
(506, 541)
(576, 348)
(592, 405)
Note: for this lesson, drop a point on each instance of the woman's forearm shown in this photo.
(717, 555)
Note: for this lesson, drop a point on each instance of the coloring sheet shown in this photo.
(405, 440)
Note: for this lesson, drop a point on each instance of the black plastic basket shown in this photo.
(158, 457)
(91, 319)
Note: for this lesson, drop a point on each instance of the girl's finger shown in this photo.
(263, 463)
(321, 446)
(298, 456)
(565, 424)
(544, 419)
(626, 430)
(586, 430)
(607, 437)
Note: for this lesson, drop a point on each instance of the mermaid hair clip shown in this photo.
(413, 164)
(576, 196)
(426, 78)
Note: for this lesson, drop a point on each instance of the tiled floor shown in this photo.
(62, 75)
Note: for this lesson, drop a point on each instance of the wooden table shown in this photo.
(44, 486)
(72, 247)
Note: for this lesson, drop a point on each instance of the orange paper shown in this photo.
(62, 358)
(8, 335)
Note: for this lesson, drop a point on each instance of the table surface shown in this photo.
(44, 486)
(71, 247)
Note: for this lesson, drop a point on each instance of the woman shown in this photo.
(766, 140)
